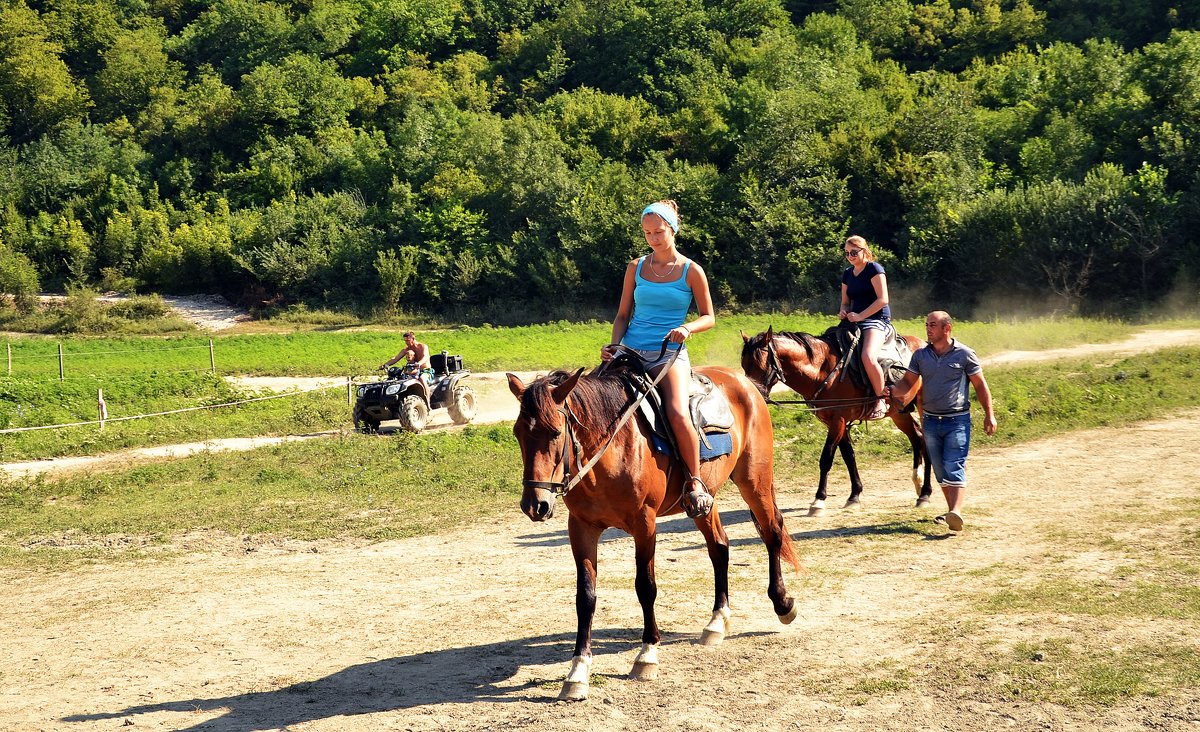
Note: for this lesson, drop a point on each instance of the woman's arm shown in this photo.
(698, 281)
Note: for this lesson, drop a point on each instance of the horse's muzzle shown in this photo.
(537, 504)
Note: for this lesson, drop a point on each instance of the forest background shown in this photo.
(491, 156)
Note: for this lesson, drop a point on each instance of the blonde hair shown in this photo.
(858, 242)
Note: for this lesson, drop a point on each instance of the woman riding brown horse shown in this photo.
(569, 421)
(808, 364)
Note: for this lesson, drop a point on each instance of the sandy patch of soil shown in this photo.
(210, 312)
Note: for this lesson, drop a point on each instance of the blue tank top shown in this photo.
(657, 308)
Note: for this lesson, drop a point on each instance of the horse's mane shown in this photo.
(808, 340)
(600, 397)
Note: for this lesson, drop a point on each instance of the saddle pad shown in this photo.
(714, 446)
(894, 354)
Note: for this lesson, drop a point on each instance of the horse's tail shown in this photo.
(787, 551)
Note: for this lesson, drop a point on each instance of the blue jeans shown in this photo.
(948, 439)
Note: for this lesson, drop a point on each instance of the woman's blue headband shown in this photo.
(663, 210)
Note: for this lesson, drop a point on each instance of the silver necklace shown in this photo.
(658, 274)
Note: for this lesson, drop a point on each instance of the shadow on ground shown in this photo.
(454, 675)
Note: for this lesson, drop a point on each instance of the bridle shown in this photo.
(774, 375)
(571, 442)
(570, 445)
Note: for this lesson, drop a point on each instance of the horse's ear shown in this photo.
(745, 338)
(563, 390)
(770, 331)
(515, 385)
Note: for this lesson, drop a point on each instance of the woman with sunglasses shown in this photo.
(865, 301)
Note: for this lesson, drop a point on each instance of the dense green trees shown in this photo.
(426, 153)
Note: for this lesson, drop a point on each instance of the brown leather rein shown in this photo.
(775, 376)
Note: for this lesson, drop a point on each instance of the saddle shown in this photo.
(712, 416)
(894, 354)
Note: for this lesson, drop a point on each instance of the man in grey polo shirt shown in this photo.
(945, 367)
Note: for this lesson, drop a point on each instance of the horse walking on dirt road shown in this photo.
(565, 418)
(808, 364)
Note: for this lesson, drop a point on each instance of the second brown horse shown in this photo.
(806, 363)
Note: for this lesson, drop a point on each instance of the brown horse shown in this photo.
(567, 419)
(807, 364)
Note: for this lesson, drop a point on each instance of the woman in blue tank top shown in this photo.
(659, 288)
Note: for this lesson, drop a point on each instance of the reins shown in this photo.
(775, 376)
(561, 488)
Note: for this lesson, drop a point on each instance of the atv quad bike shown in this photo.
(407, 395)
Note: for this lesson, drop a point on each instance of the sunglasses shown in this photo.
(853, 252)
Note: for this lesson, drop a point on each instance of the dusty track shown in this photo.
(472, 630)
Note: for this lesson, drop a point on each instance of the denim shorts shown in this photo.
(875, 324)
(653, 361)
(948, 439)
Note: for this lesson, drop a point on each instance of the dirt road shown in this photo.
(472, 630)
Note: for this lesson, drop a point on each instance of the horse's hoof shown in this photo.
(642, 671)
(922, 502)
(717, 627)
(852, 504)
(573, 691)
(789, 616)
(816, 511)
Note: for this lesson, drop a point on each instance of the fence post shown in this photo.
(212, 356)
(101, 407)
(9, 359)
(349, 389)
(61, 373)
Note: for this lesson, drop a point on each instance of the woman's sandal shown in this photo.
(697, 502)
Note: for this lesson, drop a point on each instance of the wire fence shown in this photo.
(64, 357)
(103, 419)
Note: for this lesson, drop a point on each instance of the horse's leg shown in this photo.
(718, 553)
(856, 484)
(912, 430)
(758, 491)
(836, 431)
(645, 666)
(585, 539)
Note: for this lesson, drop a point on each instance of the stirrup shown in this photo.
(698, 502)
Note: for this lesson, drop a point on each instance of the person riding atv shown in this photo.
(410, 393)
(416, 358)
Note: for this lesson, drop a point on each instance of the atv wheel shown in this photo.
(413, 413)
(362, 424)
(462, 405)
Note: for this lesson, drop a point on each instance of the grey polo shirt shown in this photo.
(945, 379)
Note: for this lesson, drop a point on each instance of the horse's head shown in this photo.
(543, 429)
(760, 362)
(771, 358)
